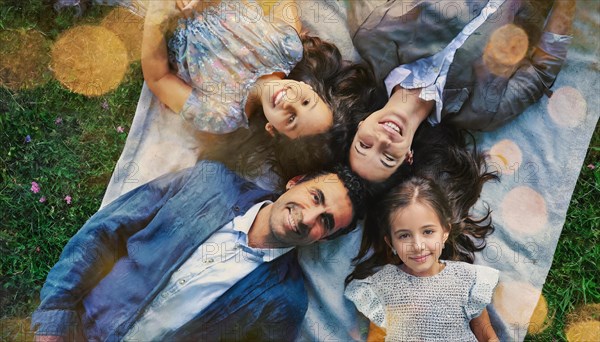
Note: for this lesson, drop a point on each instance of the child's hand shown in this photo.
(186, 6)
(482, 328)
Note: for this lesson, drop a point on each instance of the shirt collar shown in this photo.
(243, 223)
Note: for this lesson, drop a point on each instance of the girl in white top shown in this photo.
(417, 296)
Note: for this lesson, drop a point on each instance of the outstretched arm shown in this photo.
(166, 86)
(283, 10)
(287, 11)
(482, 328)
(93, 251)
(534, 76)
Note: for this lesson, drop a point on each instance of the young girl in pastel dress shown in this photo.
(230, 61)
(269, 93)
(424, 292)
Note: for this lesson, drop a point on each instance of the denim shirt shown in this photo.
(126, 253)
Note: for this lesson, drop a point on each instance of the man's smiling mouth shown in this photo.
(292, 222)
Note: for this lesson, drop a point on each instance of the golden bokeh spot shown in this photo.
(24, 59)
(584, 324)
(505, 156)
(583, 331)
(89, 60)
(128, 27)
(505, 49)
(539, 320)
(16, 329)
(567, 107)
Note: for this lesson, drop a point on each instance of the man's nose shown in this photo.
(311, 216)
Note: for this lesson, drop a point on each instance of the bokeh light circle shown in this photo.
(567, 107)
(539, 320)
(506, 156)
(584, 323)
(583, 331)
(24, 59)
(129, 28)
(506, 48)
(514, 302)
(524, 210)
(89, 60)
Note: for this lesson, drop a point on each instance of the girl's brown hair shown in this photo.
(449, 180)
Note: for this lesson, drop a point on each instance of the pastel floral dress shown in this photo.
(221, 52)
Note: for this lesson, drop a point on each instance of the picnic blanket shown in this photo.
(539, 156)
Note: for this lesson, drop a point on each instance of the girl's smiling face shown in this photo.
(294, 109)
(418, 236)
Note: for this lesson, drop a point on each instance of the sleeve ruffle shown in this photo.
(486, 279)
(366, 300)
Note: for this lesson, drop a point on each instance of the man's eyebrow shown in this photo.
(321, 196)
(329, 221)
(359, 152)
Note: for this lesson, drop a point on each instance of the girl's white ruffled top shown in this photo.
(412, 308)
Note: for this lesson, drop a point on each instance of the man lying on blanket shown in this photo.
(199, 254)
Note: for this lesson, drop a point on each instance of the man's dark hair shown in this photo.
(356, 191)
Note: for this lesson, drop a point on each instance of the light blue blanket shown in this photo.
(539, 156)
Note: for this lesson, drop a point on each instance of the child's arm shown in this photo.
(287, 11)
(166, 86)
(482, 327)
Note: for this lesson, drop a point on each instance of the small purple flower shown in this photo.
(58, 121)
(104, 105)
(68, 199)
(35, 187)
(37, 249)
(28, 139)
(42, 199)
(120, 129)
(591, 166)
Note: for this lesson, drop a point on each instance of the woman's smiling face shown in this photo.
(380, 145)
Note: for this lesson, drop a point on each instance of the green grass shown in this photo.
(573, 280)
(76, 158)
